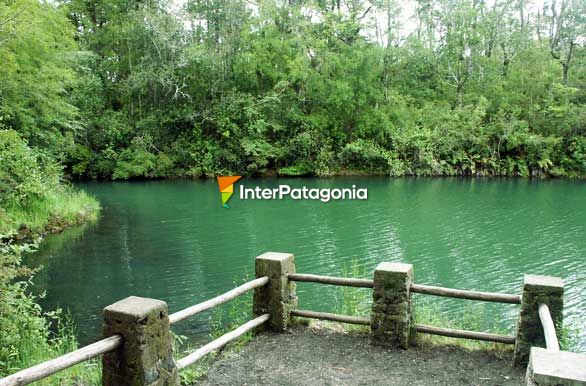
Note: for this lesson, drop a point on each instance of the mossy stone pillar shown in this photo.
(146, 355)
(278, 297)
(537, 290)
(392, 314)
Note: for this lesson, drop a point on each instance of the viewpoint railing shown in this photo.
(404, 273)
(137, 348)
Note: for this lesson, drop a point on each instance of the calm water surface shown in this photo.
(172, 240)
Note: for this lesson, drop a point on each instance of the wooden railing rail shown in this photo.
(221, 341)
(45, 369)
(221, 299)
(331, 317)
(465, 294)
(465, 334)
(226, 338)
(551, 340)
(415, 288)
(341, 281)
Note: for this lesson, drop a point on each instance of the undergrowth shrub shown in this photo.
(29, 335)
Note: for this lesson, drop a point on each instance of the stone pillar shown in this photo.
(278, 297)
(537, 290)
(392, 315)
(146, 355)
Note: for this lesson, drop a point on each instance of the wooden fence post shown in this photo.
(537, 290)
(278, 297)
(392, 314)
(146, 355)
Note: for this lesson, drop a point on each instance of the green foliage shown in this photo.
(353, 301)
(27, 335)
(365, 155)
(471, 318)
(139, 161)
(32, 197)
(134, 163)
(296, 170)
(223, 319)
(127, 89)
(37, 50)
(569, 338)
(25, 175)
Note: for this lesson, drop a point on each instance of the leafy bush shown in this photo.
(25, 174)
(364, 155)
(301, 169)
(31, 194)
(134, 163)
(573, 160)
(139, 161)
(27, 336)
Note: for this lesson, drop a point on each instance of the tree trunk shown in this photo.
(566, 64)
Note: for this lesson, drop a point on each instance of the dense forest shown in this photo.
(119, 89)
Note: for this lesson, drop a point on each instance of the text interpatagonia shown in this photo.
(304, 193)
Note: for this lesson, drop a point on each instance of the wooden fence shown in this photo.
(137, 348)
(115, 342)
(414, 288)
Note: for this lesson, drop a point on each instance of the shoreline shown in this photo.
(25, 234)
(274, 174)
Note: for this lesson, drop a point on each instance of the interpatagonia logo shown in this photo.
(226, 185)
(303, 193)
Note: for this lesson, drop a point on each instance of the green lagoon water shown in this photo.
(172, 240)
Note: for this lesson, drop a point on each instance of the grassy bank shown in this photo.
(59, 209)
(34, 199)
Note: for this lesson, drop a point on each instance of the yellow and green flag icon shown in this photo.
(226, 185)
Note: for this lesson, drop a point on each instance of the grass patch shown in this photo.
(58, 209)
(472, 318)
(568, 337)
(351, 300)
(34, 349)
(223, 319)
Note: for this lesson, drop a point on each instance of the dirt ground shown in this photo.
(322, 356)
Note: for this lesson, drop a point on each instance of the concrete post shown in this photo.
(146, 355)
(392, 314)
(555, 368)
(278, 297)
(537, 290)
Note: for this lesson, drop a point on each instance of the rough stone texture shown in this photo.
(392, 316)
(278, 297)
(146, 356)
(537, 290)
(548, 368)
